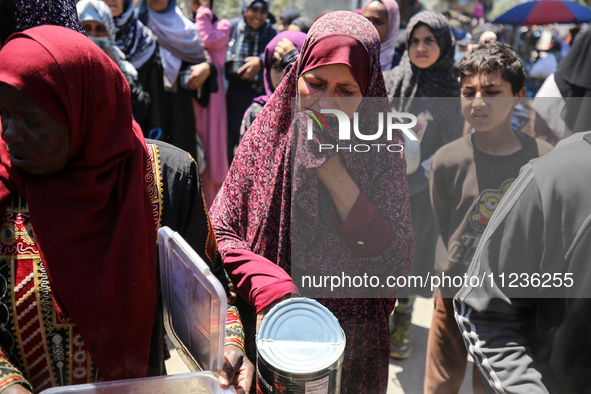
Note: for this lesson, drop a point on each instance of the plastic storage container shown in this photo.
(194, 316)
(194, 304)
(188, 383)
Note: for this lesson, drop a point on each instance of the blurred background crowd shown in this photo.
(200, 70)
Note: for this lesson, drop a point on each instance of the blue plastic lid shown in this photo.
(300, 335)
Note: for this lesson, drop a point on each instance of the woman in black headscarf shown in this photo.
(424, 85)
(408, 84)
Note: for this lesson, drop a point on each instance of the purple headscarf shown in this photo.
(297, 38)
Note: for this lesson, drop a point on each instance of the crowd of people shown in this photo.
(119, 117)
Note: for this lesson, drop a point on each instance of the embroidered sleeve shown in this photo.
(234, 329)
(9, 374)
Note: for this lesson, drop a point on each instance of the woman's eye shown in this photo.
(347, 92)
(31, 122)
(376, 22)
(315, 85)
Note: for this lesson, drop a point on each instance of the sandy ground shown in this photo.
(406, 376)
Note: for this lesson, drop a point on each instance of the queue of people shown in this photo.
(144, 118)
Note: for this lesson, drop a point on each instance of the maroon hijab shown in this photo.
(93, 220)
(349, 51)
(255, 208)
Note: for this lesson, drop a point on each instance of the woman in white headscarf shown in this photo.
(178, 39)
(97, 21)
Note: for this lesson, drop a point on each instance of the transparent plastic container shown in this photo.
(194, 304)
(194, 317)
(188, 383)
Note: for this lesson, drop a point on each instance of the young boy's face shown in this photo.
(488, 101)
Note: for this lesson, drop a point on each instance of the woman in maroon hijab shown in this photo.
(287, 207)
(81, 196)
(79, 180)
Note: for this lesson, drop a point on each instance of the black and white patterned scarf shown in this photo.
(246, 41)
(135, 40)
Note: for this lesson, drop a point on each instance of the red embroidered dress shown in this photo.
(40, 345)
(37, 338)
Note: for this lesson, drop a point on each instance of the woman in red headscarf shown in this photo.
(287, 207)
(81, 197)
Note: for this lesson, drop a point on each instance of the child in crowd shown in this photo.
(469, 177)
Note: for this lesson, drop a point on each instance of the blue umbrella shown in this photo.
(543, 12)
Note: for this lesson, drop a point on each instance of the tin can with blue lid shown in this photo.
(300, 347)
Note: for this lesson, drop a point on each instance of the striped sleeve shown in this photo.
(490, 317)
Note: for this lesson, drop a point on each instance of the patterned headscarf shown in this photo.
(254, 209)
(271, 199)
(99, 11)
(31, 13)
(388, 48)
(246, 41)
(135, 40)
(407, 80)
(20, 15)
